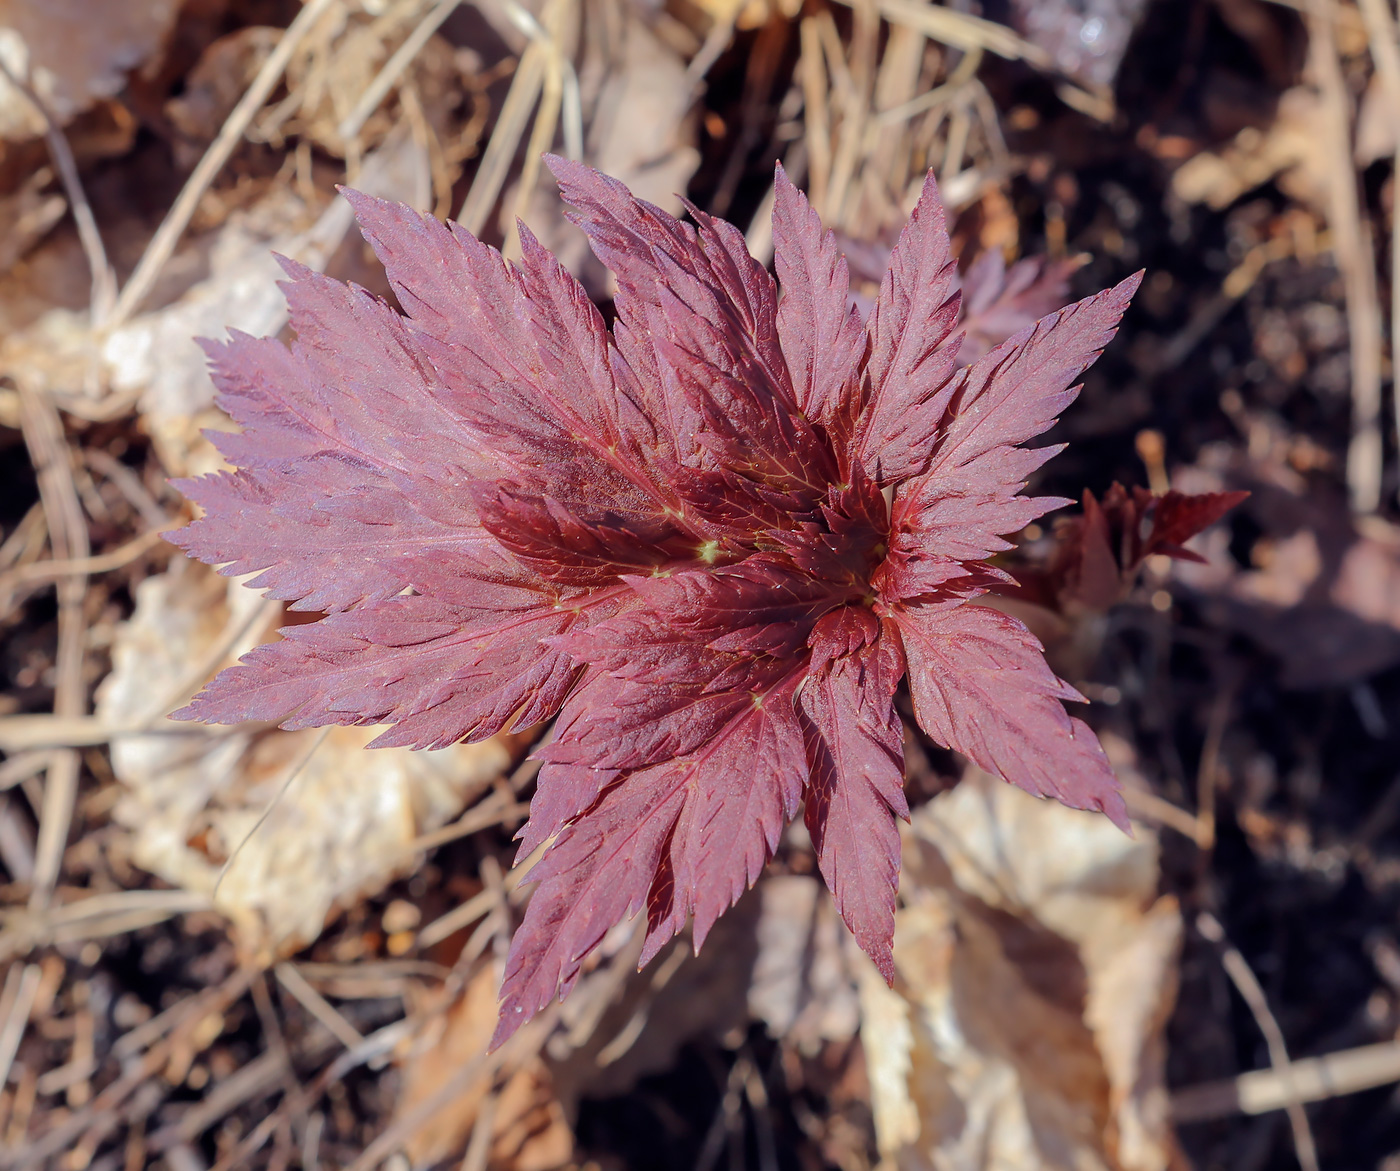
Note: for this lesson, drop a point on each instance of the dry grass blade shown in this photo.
(1354, 252)
(570, 97)
(1145, 806)
(1247, 984)
(162, 245)
(1311, 1079)
(28, 732)
(960, 30)
(940, 95)
(45, 571)
(540, 61)
(20, 767)
(318, 1006)
(98, 917)
(104, 280)
(179, 1026)
(16, 1003)
(48, 451)
(817, 122)
(490, 177)
(1385, 51)
(483, 1131)
(546, 120)
(394, 68)
(855, 112)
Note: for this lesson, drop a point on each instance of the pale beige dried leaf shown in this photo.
(1291, 149)
(74, 52)
(803, 984)
(190, 802)
(1036, 969)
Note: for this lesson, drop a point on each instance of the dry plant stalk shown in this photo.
(1354, 251)
(1385, 51)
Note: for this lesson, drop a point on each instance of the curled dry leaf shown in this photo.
(1036, 971)
(1291, 149)
(74, 52)
(344, 826)
(1085, 38)
(803, 981)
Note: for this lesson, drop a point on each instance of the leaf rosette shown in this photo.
(709, 543)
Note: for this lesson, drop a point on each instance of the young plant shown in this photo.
(709, 543)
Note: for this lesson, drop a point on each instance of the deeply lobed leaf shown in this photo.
(710, 543)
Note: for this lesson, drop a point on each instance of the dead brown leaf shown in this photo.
(1036, 972)
(528, 1128)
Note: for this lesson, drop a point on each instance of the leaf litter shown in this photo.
(380, 883)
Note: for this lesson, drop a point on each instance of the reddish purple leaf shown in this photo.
(820, 329)
(906, 383)
(705, 544)
(855, 750)
(980, 685)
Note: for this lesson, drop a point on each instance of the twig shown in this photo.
(318, 1006)
(26, 732)
(393, 69)
(1247, 984)
(520, 100)
(46, 571)
(97, 917)
(817, 118)
(16, 841)
(16, 1003)
(546, 118)
(104, 280)
(162, 245)
(571, 100)
(931, 99)
(136, 1073)
(21, 766)
(540, 58)
(1208, 773)
(476, 906)
(1146, 806)
(855, 113)
(129, 484)
(1353, 252)
(43, 435)
(1309, 1079)
(1385, 51)
(478, 1151)
(254, 1080)
(716, 41)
